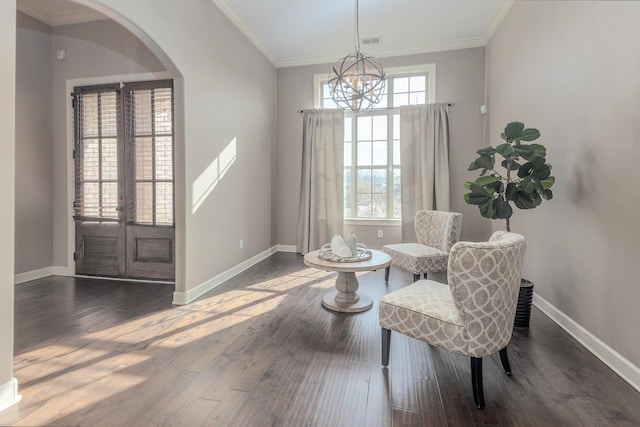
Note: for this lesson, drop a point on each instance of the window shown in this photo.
(150, 128)
(372, 166)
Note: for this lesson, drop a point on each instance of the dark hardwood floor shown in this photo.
(261, 351)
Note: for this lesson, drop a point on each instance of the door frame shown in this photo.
(70, 269)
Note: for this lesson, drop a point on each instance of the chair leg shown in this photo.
(386, 346)
(416, 277)
(476, 381)
(504, 358)
(386, 273)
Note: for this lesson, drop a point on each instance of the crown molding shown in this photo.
(61, 18)
(498, 17)
(385, 53)
(244, 29)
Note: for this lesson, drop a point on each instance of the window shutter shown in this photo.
(150, 139)
(96, 134)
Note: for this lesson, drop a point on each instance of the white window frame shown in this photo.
(430, 71)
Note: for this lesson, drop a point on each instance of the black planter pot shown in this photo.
(525, 300)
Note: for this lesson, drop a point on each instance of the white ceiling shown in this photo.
(302, 32)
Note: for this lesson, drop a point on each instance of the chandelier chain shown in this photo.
(357, 29)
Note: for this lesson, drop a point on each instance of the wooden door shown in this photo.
(124, 207)
(150, 228)
(98, 206)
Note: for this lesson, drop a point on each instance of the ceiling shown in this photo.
(302, 32)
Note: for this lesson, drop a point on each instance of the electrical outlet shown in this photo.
(380, 234)
(241, 244)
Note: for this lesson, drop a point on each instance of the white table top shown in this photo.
(378, 260)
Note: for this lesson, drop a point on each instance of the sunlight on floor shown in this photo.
(59, 380)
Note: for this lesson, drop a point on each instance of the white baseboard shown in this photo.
(9, 394)
(182, 298)
(614, 360)
(33, 275)
(62, 271)
(286, 248)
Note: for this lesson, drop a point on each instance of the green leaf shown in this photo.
(488, 151)
(486, 180)
(485, 162)
(502, 209)
(505, 150)
(503, 136)
(478, 195)
(538, 149)
(529, 134)
(548, 182)
(547, 194)
(513, 130)
(486, 209)
(527, 185)
(467, 185)
(526, 151)
(466, 198)
(514, 165)
(527, 200)
(535, 169)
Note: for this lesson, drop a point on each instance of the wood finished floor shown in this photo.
(261, 351)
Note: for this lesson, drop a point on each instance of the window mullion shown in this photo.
(153, 157)
(100, 183)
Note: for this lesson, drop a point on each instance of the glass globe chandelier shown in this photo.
(357, 81)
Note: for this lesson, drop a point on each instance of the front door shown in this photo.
(124, 204)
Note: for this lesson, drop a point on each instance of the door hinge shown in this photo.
(75, 256)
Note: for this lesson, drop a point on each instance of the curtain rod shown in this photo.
(449, 104)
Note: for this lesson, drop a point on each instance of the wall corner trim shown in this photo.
(9, 394)
(183, 298)
(33, 275)
(614, 360)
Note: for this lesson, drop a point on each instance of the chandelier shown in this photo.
(357, 80)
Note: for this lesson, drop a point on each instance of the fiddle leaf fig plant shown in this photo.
(524, 179)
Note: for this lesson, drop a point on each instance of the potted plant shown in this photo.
(523, 180)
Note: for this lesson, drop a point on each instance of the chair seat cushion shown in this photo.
(425, 311)
(417, 258)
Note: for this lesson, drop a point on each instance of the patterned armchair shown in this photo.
(472, 315)
(437, 231)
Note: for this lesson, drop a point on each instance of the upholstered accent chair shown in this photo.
(472, 315)
(437, 231)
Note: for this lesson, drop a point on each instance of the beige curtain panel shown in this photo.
(424, 155)
(321, 212)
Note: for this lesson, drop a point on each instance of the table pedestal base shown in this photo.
(344, 298)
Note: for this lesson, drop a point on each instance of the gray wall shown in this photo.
(34, 168)
(227, 93)
(572, 70)
(93, 49)
(459, 79)
(7, 158)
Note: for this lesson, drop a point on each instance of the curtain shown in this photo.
(424, 156)
(321, 213)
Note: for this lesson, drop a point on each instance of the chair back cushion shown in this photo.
(484, 279)
(438, 229)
